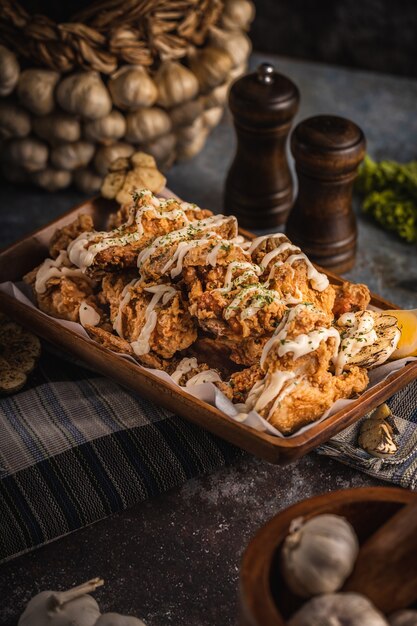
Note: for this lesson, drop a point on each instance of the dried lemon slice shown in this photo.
(407, 323)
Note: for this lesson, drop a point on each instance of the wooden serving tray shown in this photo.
(25, 254)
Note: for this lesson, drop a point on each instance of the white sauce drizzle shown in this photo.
(88, 315)
(124, 301)
(82, 254)
(278, 250)
(251, 270)
(303, 343)
(257, 295)
(255, 243)
(212, 255)
(51, 268)
(187, 365)
(360, 333)
(207, 376)
(273, 387)
(160, 292)
(183, 367)
(319, 281)
(191, 232)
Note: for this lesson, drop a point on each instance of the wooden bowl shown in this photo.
(265, 600)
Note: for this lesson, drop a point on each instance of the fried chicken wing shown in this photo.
(350, 297)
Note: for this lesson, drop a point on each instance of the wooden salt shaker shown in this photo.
(259, 186)
(327, 152)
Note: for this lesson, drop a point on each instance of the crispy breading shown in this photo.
(350, 297)
(240, 383)
(63, 236)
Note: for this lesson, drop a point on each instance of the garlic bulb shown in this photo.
(70, 156)
(338, 609)
(131, 87)
(211, 117)
(87, 181)
(57, 127)
(14, 121)
(236, 72)
(237, 14)
(105, 155)
(217, 97)
(29, 153)
(235, 43)
(35, 90)
(107, 129)
(63, 608)
(9, 71)
(318, 555)
(186, 113)
(114, 619)
(52, 179)
(175, 83)
(162, 148)
(403, 618)
(186, 149)
(146, 125)
(211, 65)
(84, 94)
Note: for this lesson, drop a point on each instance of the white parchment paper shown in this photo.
(207, 391)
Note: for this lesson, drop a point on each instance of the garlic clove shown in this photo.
(318, 556)
(70, 156)
(338, 609)
(57, 128)
(407, 617)
(114, 619)
(107, 129)
(9, 71)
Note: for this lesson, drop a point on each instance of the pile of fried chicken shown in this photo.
(180, 290)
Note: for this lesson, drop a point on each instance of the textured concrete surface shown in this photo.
(174, 560)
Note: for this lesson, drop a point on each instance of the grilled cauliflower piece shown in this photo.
(368, 339)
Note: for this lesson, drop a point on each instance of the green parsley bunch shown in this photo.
(389, 191)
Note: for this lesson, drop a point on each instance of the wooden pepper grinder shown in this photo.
(327, 152)
(259, 186)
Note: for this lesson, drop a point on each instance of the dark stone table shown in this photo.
(175, 559)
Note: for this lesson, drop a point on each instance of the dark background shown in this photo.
(379, 35)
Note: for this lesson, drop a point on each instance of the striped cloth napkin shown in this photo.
(76, 447)
(399, 468)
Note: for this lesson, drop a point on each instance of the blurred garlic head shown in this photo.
(318, 555)
(57, 127)
(28, 153)
(63, 608)
(107, 129)
(146, 125)
(9, 71)
(338, 609)
(211, 65)
(235, 43)
(14, 120)
(52, 179)
(84, 94)
(237, 14)
(131, 87)
(175, 83)
(403, 618)
(35, 90)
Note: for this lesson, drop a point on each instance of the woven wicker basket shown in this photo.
(121, 75)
